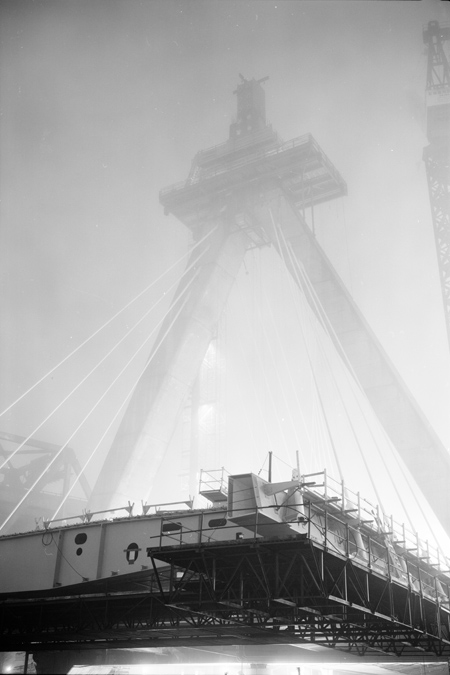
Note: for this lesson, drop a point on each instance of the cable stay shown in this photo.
(125, 400)
(185, 289)
(282, 351)
(353, 381)
(107, 323)
(300, 322)
(317, 337)
(303, 281)
(144, 343)
(19, 447)
(268, 344)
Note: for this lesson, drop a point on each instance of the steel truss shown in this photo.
(437, 155)
(437, 159)
(291, 591)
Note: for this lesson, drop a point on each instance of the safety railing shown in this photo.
(339, 515)
(305, 140)
(350, 503)
(214, 480)
(316, 522)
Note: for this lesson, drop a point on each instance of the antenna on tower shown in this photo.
(251, 107)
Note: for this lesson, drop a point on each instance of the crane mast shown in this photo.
(436, 155)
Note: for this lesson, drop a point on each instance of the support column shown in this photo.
(149, 421)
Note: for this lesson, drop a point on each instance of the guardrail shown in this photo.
(349, 502)
(213, 480)
(317, 523)
(305, 139)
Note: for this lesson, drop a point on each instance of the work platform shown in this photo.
(299, 167)
(278, 591)
(305, 562)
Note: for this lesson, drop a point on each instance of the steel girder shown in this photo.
(282, 592)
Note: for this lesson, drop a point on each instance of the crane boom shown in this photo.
(437, 154)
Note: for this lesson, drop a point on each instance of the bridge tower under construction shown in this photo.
(303, 563)
(254, 190)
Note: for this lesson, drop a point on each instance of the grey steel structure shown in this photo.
(233, 191)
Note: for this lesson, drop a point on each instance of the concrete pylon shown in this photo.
(150, 419)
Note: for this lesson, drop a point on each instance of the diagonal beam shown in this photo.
(400, 415)
(149, 421)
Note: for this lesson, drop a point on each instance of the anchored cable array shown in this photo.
(191, 273)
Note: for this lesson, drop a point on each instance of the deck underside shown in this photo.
(280, 592)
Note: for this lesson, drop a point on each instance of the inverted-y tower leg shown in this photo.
(149, 421)
(417, 443)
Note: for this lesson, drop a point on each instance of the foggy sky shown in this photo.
(105, 102)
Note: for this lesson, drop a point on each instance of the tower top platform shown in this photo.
(253, 160)
(299, 167)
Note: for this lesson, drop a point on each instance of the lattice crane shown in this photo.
(437, 154)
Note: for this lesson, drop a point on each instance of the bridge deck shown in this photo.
(290, 591)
